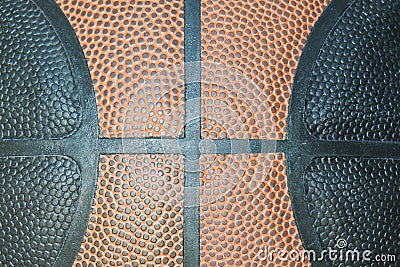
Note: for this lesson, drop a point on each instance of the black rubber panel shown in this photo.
(48, 136)
(354, 92)
(343, 155)
(38, 198)
(357, 200)
(38, 96)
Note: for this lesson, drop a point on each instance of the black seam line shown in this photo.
(302, 147)
(372, 149)
(236, 146)
(192, 50)
(81, 145)
(187, 146)
(68, 147)
(296, 127)
(316, 148)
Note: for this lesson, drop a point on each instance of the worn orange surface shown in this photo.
(246, 212)
(137, 214)
(126, 44)
(263, 40)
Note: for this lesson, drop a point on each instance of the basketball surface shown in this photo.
(199, 133)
